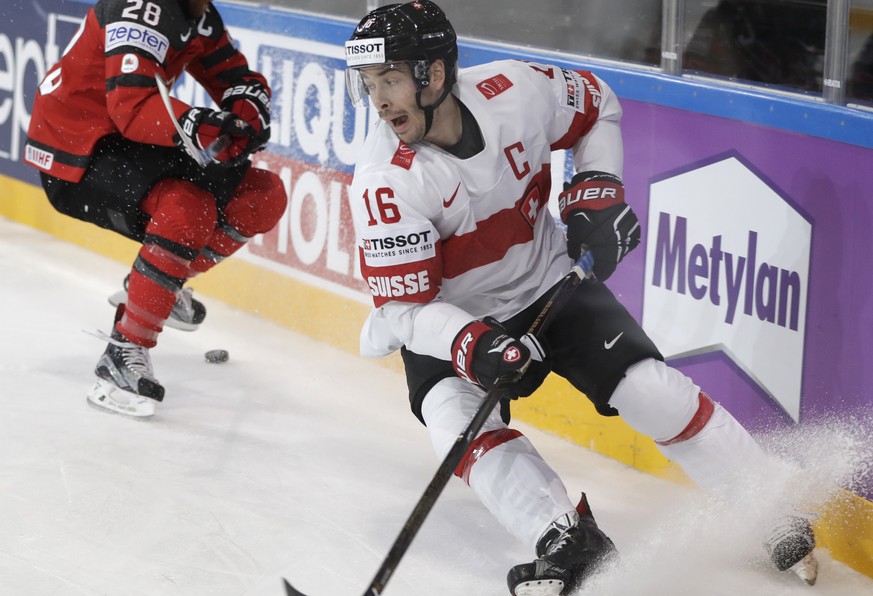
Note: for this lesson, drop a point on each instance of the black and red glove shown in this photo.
(483, 352)
(204, 127)
(251, 102)
(592, 205)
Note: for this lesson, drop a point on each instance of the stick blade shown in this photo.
(290, 590)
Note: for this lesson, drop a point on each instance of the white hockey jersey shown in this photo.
(444, 240)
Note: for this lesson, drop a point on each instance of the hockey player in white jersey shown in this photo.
(460, 253)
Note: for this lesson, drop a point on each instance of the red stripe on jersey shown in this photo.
(482, 445)
(705, 409)
(582, 121)
(495, 235)
(418, 282)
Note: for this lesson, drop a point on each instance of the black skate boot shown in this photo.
(125, 380)
(569, 551)
(791, 545)
(188, 312)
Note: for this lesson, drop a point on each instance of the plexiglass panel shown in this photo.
(778, 43)
(626, 30)
(775, 44)
(860, 53)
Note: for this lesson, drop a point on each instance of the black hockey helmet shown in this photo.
(417, 33)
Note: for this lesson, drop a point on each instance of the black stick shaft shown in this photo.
(461, 445)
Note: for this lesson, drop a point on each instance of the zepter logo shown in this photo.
(727, 270)
(125, 34)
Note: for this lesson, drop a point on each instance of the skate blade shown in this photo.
(118, 297)
(806, 569)
(544, 587)
(107, 397)
(121, 296)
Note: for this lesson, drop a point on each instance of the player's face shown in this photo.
(196, 8)
(392, 91)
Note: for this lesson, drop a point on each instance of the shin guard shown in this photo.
(502, 467)
(688, 427)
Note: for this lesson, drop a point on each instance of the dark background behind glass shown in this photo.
(778, 44)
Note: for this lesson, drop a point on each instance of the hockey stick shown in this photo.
(203, 157)
(581, 270)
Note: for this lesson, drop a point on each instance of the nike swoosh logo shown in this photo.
(452, 198)
(186, 37)
(607, 345)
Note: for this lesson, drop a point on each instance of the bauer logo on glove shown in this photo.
(251, 103)
(592, 205)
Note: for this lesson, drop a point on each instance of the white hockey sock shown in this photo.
(520, 489)
(505, 471)
(698, 434)
(715, 456)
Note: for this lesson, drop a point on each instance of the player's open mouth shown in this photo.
(399, 121)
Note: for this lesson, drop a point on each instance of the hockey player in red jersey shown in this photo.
(109, 153)
(460, 254)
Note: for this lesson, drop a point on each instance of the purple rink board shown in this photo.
(829, 183)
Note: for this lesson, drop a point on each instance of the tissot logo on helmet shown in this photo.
(360, 52)
(364, 48)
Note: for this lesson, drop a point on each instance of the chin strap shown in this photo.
(429, 110)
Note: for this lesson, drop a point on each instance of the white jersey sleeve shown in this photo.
(587, 118)
(425, 329)
(601, 148)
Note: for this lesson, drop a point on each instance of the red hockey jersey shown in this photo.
(104, 82)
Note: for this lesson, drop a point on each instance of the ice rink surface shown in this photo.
(291, 460)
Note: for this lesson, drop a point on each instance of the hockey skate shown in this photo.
(791, 547)
(187, 314)
(570, 551)
(125, 380)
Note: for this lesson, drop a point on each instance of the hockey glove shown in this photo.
(251, 102)
(482, 352)
(592, 205)
(204, 127)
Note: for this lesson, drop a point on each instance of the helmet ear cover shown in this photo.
(421, 73)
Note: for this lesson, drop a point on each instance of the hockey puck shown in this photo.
(217, 356)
